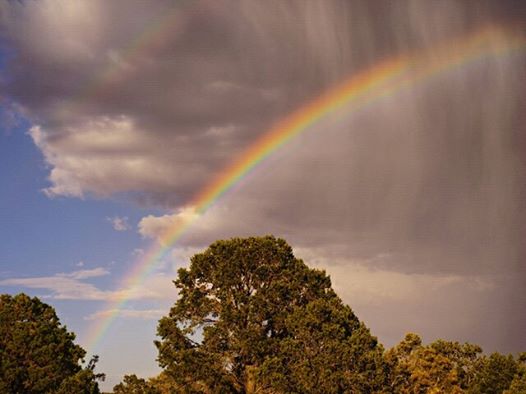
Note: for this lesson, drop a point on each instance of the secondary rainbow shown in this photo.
(163, 27)
(379, 81)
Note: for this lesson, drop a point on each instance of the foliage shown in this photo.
(133, 385)
(83, 382)
(440, 367)
(327, 351)
(450, 367)
(37, 353)
(161, 384)
(518, 384)
(164, 384)
(251, 317)
(494, 374)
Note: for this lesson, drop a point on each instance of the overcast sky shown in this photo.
(115, 113)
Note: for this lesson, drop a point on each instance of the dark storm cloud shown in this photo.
(221, 65)
(427, 184)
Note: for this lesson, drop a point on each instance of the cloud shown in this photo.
(88, 158)
(393, 303)
(109, 121)
(138, 252)
(62, 286)
(88, 273)
(72, 286)
(145, 314)
(431, 178)
(158, 286)
(119, 223)
(361, 282)
(158, 227)
(11, 115)
(365, 286)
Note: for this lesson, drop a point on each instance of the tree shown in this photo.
(160, 384)
(450, 367)
(463, 358)
(327, 350)
(518, 384)
(84, 381)
(164, 384)
(440, 367)
(131, 384)
(37, 353)
(252, 317)
(495, 374)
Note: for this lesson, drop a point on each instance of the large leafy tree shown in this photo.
(252, 317)
(37, 353)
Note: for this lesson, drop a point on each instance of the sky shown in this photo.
(114, 115)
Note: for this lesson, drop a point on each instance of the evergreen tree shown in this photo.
(37, 353)
(252, 317)
(131, 384)
(440, 367)
(495, 374)
(518, 384)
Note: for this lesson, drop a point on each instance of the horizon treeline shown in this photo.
(251, 318)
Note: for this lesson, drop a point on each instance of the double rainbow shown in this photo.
(381, 80)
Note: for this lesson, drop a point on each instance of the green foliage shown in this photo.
(327, 351)
(160, 384)
(518, 384)
(84, 381)
(462, 357)
(164, 384)
(37, 354)
(441, 367)
(133, 385)
(494, 374)
(450, 367)
(251, 317)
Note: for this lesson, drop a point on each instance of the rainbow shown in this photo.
(381, 80)
(159, 31)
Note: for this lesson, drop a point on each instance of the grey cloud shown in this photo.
(431, 178)
(424, 176)
(78, 62)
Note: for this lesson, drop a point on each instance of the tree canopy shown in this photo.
(250, 316)
(451, 367)
(132, 384)
(37, 353)
(253, 318)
